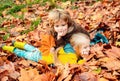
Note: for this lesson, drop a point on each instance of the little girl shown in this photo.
(65, 31)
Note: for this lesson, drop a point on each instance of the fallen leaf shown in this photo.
(117, 43)
(98, 70)
(102, 79)
(87, 76)
(113, 53)
(82, 61)
(5, 78)
(28, 75)
(80, 15)
(64, 72)
(14, 75)
(109, 76)
(65, 4)
(96, 16)
(112, 64)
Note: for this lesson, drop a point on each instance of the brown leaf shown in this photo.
(102, 79)
(1, 61)
(113, 53)
(28, 75)
(8, 66)
(87, 76)
(68, 77)
(109, 76)
(5, 78)
(14, 75)
(49, 76)
(4, 73)
(24, 62)
(34, 36)
(64, 72)
(33, 75)
(112, 64)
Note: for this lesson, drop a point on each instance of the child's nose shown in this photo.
(60, 28)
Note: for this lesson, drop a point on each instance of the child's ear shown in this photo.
(70, 29)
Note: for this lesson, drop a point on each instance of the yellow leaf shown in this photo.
(65, 4)
(81, 61)
(80, 15)
(118, 43)
(96, 16)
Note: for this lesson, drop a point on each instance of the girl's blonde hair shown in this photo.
(59, 14)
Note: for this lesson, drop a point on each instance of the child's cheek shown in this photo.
(56, 29)
(65, 31)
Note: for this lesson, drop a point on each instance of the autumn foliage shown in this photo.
(25, 24)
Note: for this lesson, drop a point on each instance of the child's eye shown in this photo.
(63, 24)
(56, 25)
(47, 24)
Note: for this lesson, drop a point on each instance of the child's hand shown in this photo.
(52, 50)
(58, 37)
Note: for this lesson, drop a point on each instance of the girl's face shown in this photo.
(61, 27)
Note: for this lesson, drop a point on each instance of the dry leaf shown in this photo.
(80, 15)
(113, 53)
(5, 78)
(63, 71)
(29, 74)
(86, 76)
(102, 79)
(109, 76)
(65, 4)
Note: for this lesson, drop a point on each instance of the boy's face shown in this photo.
(61, 27)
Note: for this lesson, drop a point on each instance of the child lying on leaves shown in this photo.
(44, 53)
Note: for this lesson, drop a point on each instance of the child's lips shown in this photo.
(60, 32)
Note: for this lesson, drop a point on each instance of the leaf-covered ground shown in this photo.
(24, 20)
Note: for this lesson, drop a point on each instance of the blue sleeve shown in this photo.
(99, 38)
(68, 48)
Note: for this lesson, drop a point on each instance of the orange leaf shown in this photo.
(102, 79)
